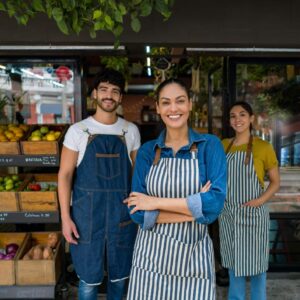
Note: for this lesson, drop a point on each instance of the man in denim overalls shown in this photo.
(96, 163)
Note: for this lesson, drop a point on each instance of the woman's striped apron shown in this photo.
(173, 261)
(244, 230)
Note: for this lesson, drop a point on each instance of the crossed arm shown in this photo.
(171, 210)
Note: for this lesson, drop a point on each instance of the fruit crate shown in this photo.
(8, 197)
(40, 271)
(7, 267)
(12, 147)
(39, 199)
(44, 139)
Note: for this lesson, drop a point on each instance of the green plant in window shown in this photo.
(96, 15)
(118, 63)
(285, 97)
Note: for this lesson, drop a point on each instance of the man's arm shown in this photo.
(67, 166)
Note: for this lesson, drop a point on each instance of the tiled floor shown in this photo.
(280, 286)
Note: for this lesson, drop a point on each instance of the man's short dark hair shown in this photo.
(111, 76)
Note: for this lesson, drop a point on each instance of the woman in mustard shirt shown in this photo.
(244, 221)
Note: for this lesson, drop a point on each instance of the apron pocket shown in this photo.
(164, 255)
(108, 165)
(82, 212)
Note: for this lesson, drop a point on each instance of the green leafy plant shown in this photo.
(118, 63)
(75, 15)
(285, 97)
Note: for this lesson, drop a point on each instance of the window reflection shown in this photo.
(274, 92)
(37, 93)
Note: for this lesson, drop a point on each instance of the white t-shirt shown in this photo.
(76, 138)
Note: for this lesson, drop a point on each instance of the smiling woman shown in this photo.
(178, 188)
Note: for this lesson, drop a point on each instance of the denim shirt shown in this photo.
(204, 207)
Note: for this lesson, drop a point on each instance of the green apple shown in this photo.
(15, 177)
(36, 133)
(9, 186)
(44, 129)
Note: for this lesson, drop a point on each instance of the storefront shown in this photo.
(253, 51)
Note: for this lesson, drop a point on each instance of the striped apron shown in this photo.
(173, 261)
(244, 230)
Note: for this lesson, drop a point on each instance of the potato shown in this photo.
(27, 256)
(47, 253)
(37, 252)
(52, 239)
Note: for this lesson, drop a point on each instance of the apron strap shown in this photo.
(157, 156)
(229, 146)
(248, 151)
(193, 150)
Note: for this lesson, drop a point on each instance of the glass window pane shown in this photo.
(37, 93)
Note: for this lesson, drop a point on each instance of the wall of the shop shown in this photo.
(214, 23)
(133, 104)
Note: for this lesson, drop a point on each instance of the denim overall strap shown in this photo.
(102, 181)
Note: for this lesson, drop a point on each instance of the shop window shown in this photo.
(37, 92)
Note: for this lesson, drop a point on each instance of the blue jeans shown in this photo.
(237, 287)
(115, 290)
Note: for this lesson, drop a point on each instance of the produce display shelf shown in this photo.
(36, 217)
(27, 291)
(29, 160)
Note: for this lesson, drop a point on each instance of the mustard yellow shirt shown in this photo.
(264, 156)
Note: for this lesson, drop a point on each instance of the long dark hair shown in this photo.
(246, 106)
(167, 82)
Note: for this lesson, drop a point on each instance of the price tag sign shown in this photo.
(29, 217)
(30, 160)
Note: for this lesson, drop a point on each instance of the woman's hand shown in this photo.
(140, 202)
(254, 203)
(206, 187)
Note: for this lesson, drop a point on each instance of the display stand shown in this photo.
(36, 217)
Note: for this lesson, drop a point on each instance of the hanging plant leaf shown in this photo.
(162, 8)
(92, 33)
(57, 14)
(97, 14)
(2, 7)
(38, 6)
(135, 24)
(118, 30)
(23, 19)
(88, 13)
(99, 26)
(146, 9)
(122, 9)
(118, 16)
(63, 26)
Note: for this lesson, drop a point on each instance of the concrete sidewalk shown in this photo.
(280, 286)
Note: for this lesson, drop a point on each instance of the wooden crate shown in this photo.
(39, 272)
(9, 200)
(10, 148)
(44, 147)
(39, 200)
(7, 267)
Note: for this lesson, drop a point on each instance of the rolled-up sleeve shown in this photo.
(205, 207)
(144, 159)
